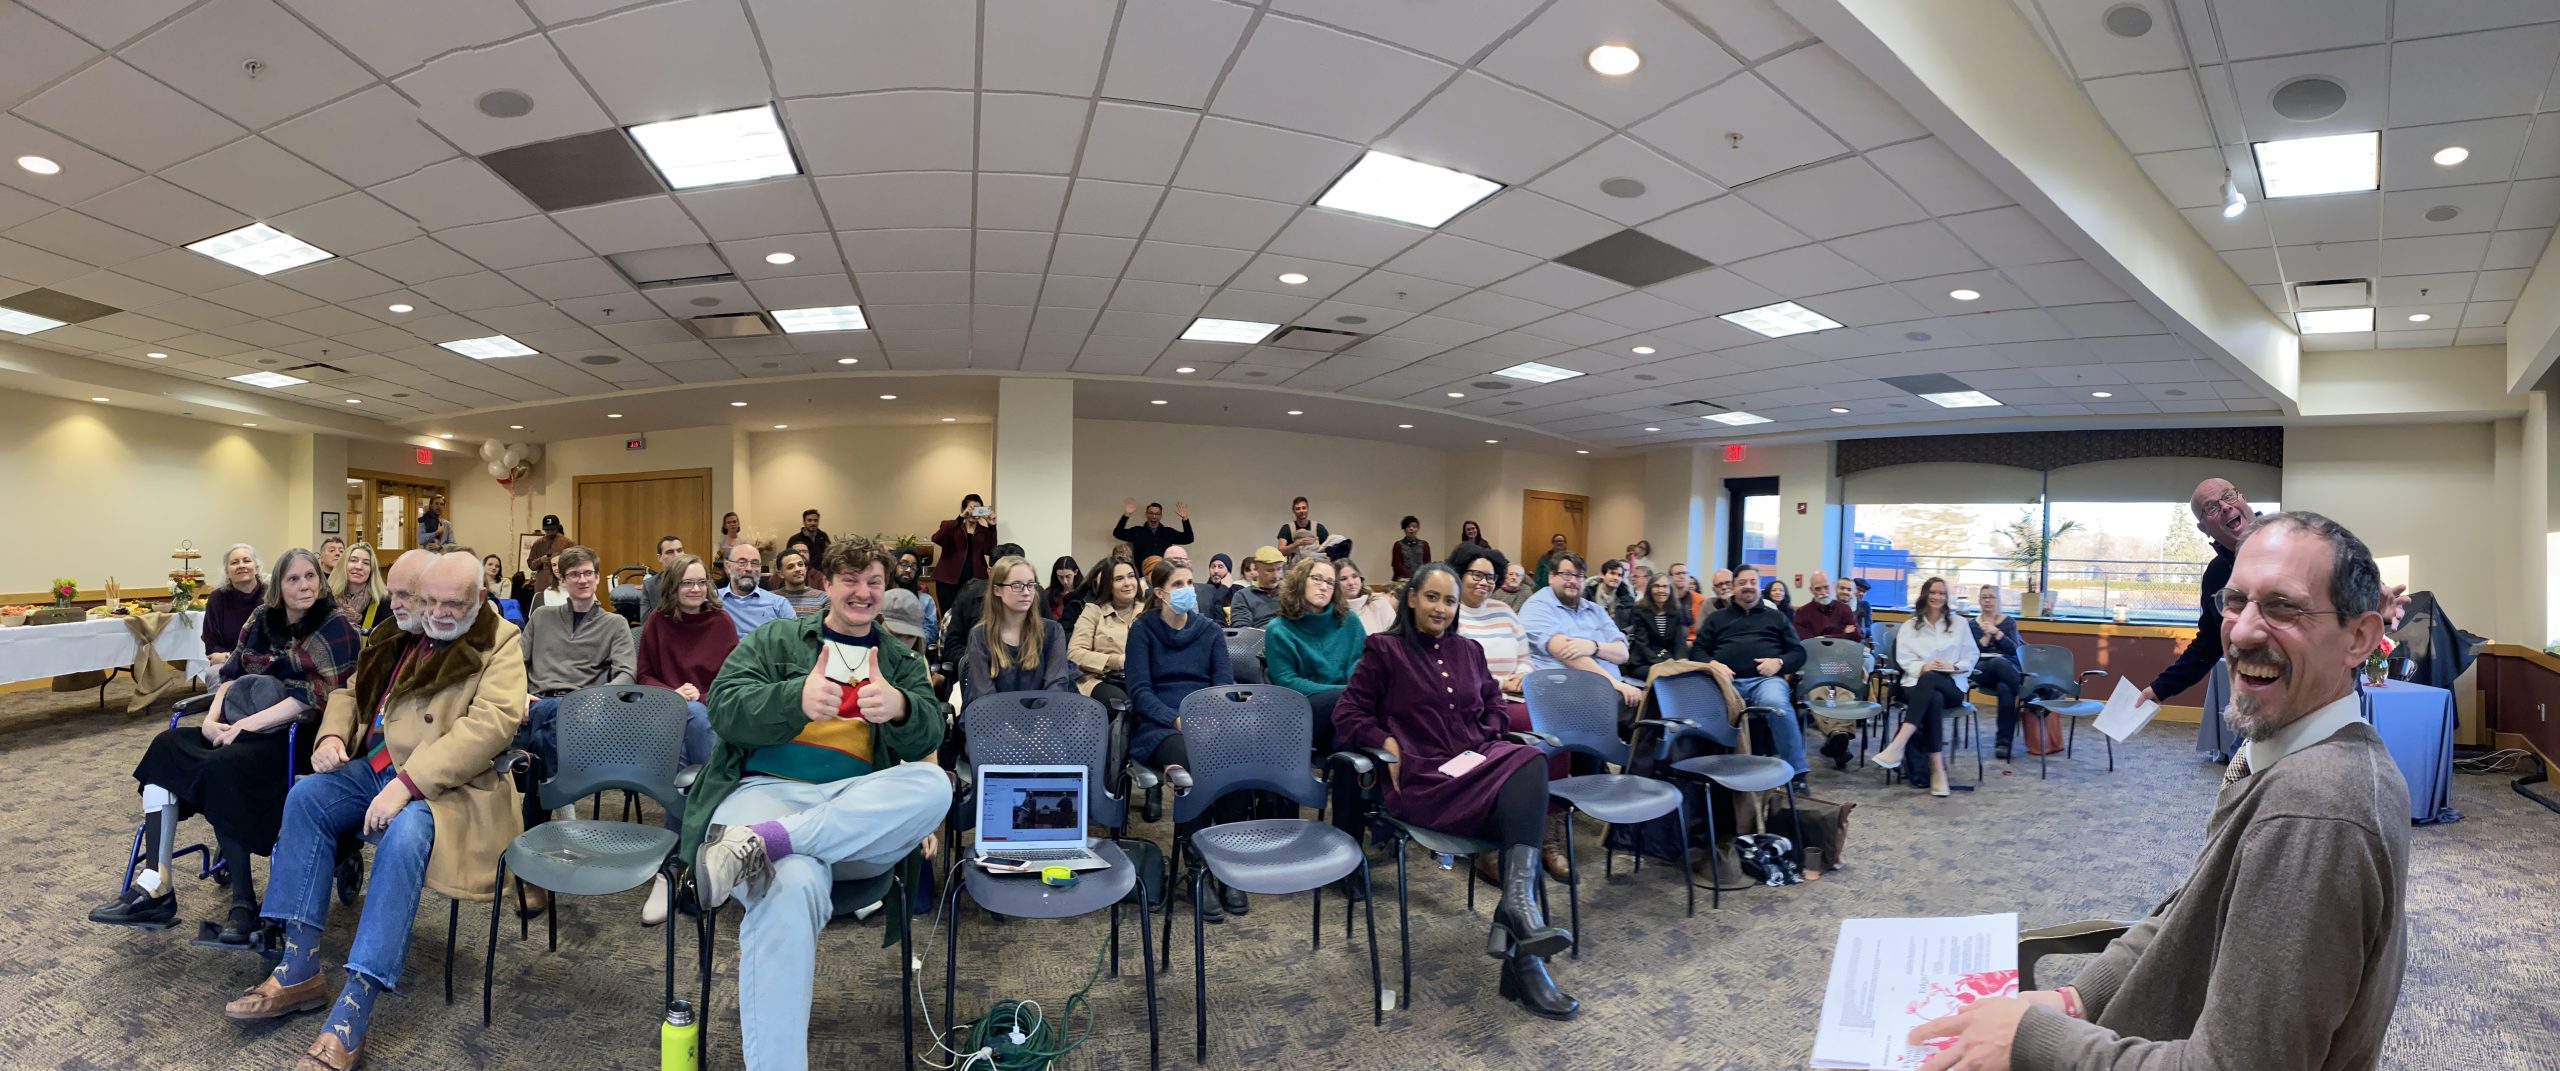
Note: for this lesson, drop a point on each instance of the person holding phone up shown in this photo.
(968, 547)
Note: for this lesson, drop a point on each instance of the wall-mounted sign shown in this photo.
(635, 442)
(426, 456)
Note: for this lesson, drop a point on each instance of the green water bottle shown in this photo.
(680, 1039)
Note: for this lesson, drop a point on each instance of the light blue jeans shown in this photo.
(1786, 738)
(322, 806)
(697, 733)
(870, 822)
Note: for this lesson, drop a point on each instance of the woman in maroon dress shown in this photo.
(1423, 692)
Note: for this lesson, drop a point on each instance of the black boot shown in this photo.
(240, 925)
(1519, 928)
(1197, 883)
(1836, 748)
(1233, 899)
(1525, 982)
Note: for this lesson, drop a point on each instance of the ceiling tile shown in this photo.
(1595, 182)
(754, 209)
(2360, 70)
(619, 227)
(1135, 142)
(1194, 264)
(454, 193)
(2343, 217)
(182, 270)
(203, 52)
(915, 249)
(2007, 237)
(583, 277)
(448, 92)
(1170, 51)
(1774, 134)
(85, 173)
(1530, 223)
(1753, 29)
(2152, 112)
(1453, 30)
(517, 243)
(79, 237)
(1839, 97)
(1452, 259)
(1256, 161)
(1909, 251)
(28, 264)
(256, 177)
(907, 131)
(1045, 46)
(415, 261)
(2471, 76)
(1120, 209)
(2515, 249)
(668, 61)
(34, 52)
(849, 46)
(125, 114)
(152, 207)
(1450, 129)
(1199, 218)
(1551, 55)
(394, 37)
(1020, 202)
(1301, 76)
(1803, 271)
(345, 225)
(1025, 132)
(2530, 204)
(1833, 199)
(340, 280)
(108, 25)
(367, 138)
(1928, 171)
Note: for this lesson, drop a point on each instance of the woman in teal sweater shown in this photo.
(1310, 649)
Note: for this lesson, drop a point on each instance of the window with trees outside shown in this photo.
(2086, 559)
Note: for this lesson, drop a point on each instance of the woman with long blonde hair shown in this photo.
(1015, 647)
(356, 587)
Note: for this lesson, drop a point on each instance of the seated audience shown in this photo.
(1063, 600)
(493, 575)
(1722, 582)
(357, 589)
(1515, 586)
(1640, 556)
(683, 641)
(747, 603)
(1654, 632)
(911, 576)
(1934, 655)
(902, 616)
(1998, 666)
(1409, 553)
(1220, 590)
(405, 746)
(1609, 589)
(1495, 628)
(1866, 610)
(1639, 578)
(1015, 648)
(573, 644)
(1255, 604)
(732, 533)
(1399, 699)
(233, 767)
(1828, 617)
(1776, 593)
(1310, 646)
(1100, 643)
(2286, 947)
(1470, 534)
(1151, 539)
(807, 774)
(968, 544)
(668, 548)
(792, 576)
(1758, 643)
(1685, 595)
(332, 551)
(230, 605)
(1375, 612)
(1547, 561)
(1567, 631)
(816, 537)
(1173, 652)
(1301, 532)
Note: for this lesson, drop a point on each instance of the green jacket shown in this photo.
(755, 702)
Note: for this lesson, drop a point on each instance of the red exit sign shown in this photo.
(1734, 452)
(426, 457)
(635, 443)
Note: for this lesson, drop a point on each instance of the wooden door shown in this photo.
(1545, 513)
(386, 508)
(621, 516)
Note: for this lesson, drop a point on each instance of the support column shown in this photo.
(315, 483)
(1034, 493)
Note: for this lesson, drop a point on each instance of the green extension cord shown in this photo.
(1016, 1037)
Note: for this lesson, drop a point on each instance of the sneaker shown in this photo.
(133, 907)
(730, 855)
(2001, 752)
(654, 911)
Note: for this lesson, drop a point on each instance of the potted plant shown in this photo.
(2030, 548)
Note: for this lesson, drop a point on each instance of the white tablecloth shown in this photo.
(33, 652)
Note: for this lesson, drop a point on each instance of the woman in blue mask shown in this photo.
(1175, 651)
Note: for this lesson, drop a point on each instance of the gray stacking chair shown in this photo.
(629, 737)
(1692, 704)
(2050, 686)
(1244, 656)
(1246, 739)
(1579, 712)
(1048, 729)
(1831, 662)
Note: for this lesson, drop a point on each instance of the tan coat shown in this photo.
(1101, 641)
(449, 717)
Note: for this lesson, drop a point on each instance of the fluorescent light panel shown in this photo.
(261, 250)
(2334, 321)
(831, 318)
(1962, 399)
(1737, 418)
(2305, 167)
(481, 349)
(25, 323)
(269, 380)
(1533, 372)
(1780, 320)
(1241, 332)
(1406, 191)
(723, 147)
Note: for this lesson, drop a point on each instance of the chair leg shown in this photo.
(950, 960)
(1141, 889)
(901, 901)
(1172, 873)
(489, 962)
(551, 915)
(1147, 953)
(1685, 872)
(2111, 754)
(709, 932)
(668, 871)
(1377, 1001)
(1404, 926)
(452, 925)
(1199, 969)
(1715, 859)
(1315, 920)
(1572, 884)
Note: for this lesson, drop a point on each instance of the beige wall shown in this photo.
(485, 515)
(1238, 483)
(2404, 489)
(889, 481)
(98, 491)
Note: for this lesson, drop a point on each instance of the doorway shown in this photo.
(383, 508)
(1545, 513)
(621, 516)
(1751, 523)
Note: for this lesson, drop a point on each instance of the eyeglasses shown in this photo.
(1566, 573)
(682, 584)
(1478, 576)
(579, 574)
(1020, 587)
(2276, 610)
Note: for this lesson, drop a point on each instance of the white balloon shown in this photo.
(499, 470)
(513, 457)
(533, 453)
(490, 450)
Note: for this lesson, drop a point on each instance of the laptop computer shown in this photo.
(1035, 814)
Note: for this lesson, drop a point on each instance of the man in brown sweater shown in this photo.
(2285, 948)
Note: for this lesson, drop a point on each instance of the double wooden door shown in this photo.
(622, 516)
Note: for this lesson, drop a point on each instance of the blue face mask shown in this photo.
(1184, 600)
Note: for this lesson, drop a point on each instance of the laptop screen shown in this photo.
(1031, 807)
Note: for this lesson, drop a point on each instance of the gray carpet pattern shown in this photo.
(1736, 988)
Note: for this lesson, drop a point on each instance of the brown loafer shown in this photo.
(269, 1000)
(329, 1054)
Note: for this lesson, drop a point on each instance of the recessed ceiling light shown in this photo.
(1962, 294)
(1293, 278)
(1493, 440)
(2101, 394)
(1405, 191)
(1297, 412)
(1457, 394)
(2303, 167)
(97, 399)
(1614, 60)
(1582, 451)
(1653, 429)
(1241, 332)
(1839, 409)
(951, 420)
(782, 427)
(723, 147)
(248, 425)
(831, 318)
(1184, 370)
(1533, 372)
(447, 435)
(737, 405)
(261, 250)
(1155, 401)
(515, 427)
(779, 258)
(355, 401)
(613, 416)
(269, 380)
(40, 165)
(1737, 417)
(2420, 317)
(1961, 399)
(157, 356)
(1642, 351)
(2451, 155)
(482, 349)
(888, 397)
(1405, 426)
(404, 308)
(1780, 320)
(25, 323)
(2334, 321)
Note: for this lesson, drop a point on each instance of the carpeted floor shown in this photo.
(1736, 988)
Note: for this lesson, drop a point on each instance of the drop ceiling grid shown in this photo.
(448, 264)
(2506, 194)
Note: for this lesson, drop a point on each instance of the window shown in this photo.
(2146, 557)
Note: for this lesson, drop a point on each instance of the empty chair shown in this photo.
(1835, 684)
(2050, 687)
(1244, 656)
(1578, 712)
(1693, 703)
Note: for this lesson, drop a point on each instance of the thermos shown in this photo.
(680, 1039)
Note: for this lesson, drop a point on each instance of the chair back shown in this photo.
(1579, 709)
(1833, 662)
(1247, 738)
(1884, 643)
(1244, 643)
(625, 736)
(1048, 729)
(1696, 697)
(2049, 671)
